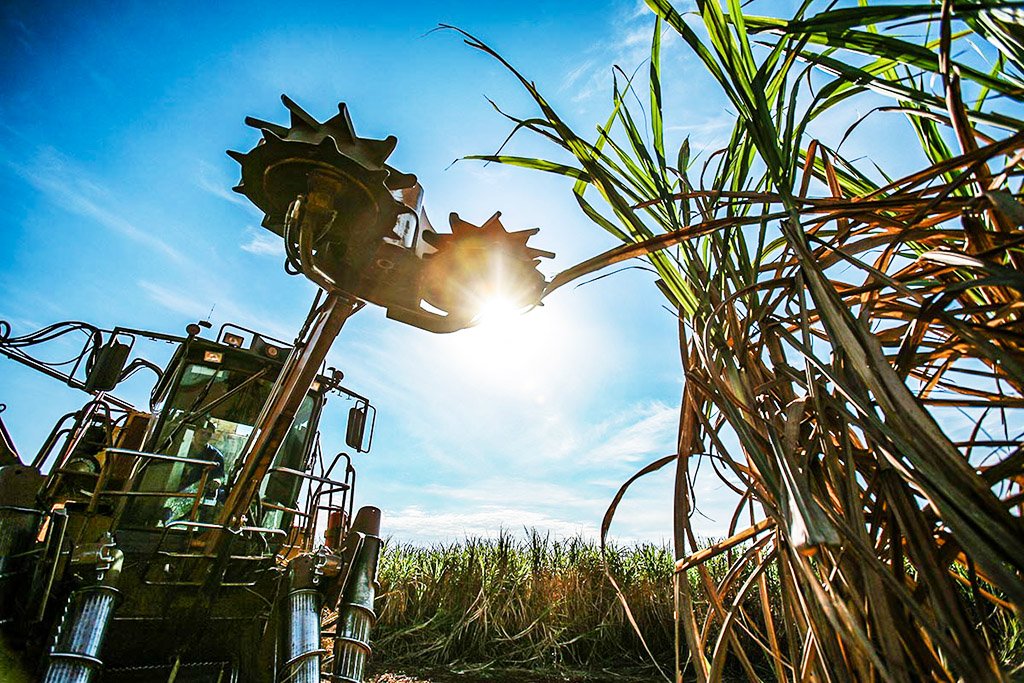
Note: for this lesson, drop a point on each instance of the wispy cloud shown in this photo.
(484, 509)
(421, 525)
(527, 490)
(705, 134)
(68, 186)
(25, 37)
(263, 243)
(20, 325)
(209, 179)
(627, 45)
(580, 71)
(707, 127)
(645, 431)
(196, 301)
(640, 9)
(176, 301)
(546, 367)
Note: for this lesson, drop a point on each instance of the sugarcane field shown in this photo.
(572, 342)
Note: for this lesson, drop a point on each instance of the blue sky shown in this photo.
(118, 210)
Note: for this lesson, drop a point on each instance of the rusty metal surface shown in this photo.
(8, 451)
(298, 374)
(354, 224)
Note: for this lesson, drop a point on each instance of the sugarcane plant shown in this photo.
(851, 337)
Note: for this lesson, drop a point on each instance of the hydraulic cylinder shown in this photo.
(74, 657)
(355, 609)
(303, 653)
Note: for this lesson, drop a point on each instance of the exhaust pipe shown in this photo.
(74, 657)
(303, 653)
(355, 609)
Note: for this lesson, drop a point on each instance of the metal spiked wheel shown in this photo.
(323, 173)
(286, 155)
(476, 263)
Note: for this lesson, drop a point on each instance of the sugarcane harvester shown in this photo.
(132, 549)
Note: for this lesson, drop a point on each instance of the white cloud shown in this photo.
(707, 128)
(487, 508)
(573, 76)
(69, 187)
(25, 36)
(531, 380)
(643, 432)
(635, 36)
(413, 523)
(209, 179)
(529, 489)
(176, 301)
(197, 301)
(640, 9)
(263, 243)
(628, 46)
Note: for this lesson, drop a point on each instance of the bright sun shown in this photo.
(499, 311)
(509, 347)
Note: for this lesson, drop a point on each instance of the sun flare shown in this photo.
(499, 311)
(517, 349)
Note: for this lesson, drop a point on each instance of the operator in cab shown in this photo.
(199, 449)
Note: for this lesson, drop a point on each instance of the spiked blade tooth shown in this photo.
(300, 117)
(397, 180)
(380, 150)
(458, 225)
(253, 122)
(270, 136)
(524, 235)
(240, 188)
(237, 156)
(494, 222)
(342, 123)
(328, 143)
(297, 121)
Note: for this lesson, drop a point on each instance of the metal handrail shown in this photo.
(305, 475)
(138, 469)
(313, 506)
(208, 526)
(346, 488)
(158, 456)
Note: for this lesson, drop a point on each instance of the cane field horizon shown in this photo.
(766, 423)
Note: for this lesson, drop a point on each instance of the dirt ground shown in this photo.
(11, 672)
(503, 676)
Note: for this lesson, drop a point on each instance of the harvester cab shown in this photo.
(116, 510)
(201, 540)
(210, 399)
